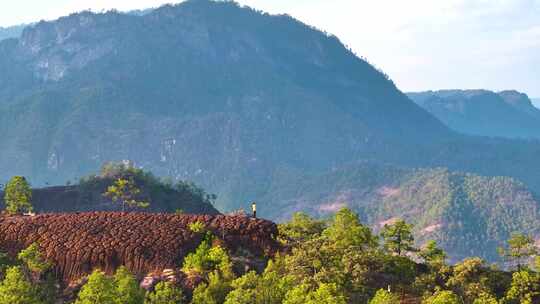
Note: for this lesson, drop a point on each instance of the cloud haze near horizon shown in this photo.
(421, 44)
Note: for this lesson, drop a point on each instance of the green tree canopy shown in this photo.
(17, 289)
(525, 288)
(485, 298)
(125, 192)
(99, 289)
(469, 279)
(301, 228)
(347, 231)
(127, 287)
(384, 297)
(520, 248)
(442, 297)
(18, 196)
(398, 237)
(4, 262)
(270, 287)
(33, 259)
(207, 259)
(197, 227)
(214, 291)
(165, 293)
(431, 254)
(324, 294)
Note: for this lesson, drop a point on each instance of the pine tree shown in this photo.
(485, 298)
(300, 228)
(17, 289)
(525, 288)
(346, 231)
(431, 254)
(127, 288)
(165, 293)
(33, 259)
(125, 192)
(324, 294)
(520, 248)
(18, 196)
(442, 297)
(99, 289)
(384, 297)
(398, 237)
(213, 292)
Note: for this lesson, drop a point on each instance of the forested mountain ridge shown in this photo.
(479, 112)
(467, 214)
(89, 194)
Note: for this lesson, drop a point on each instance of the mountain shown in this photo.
(190, 92)
(467, 214)
(236, 100)
(479, 112)
(536, 102)
(11, 31)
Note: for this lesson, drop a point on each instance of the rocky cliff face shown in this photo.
(56, 49)
(145, 243)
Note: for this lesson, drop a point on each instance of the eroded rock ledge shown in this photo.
(144, 242)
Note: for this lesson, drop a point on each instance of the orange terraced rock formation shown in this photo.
(144, 242)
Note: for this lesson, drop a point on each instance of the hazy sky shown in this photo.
(421, 44)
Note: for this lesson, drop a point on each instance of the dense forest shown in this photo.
(338, 260)
(466, 214)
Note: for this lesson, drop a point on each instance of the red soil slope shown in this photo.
(78, 242)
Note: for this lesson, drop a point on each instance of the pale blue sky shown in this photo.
(421, 44)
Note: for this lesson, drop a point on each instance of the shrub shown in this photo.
(165, 293)
(98, 289)
(384, 297)
(17, 289)
(33, 259)
(197, 227)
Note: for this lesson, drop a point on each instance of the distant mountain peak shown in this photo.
(518, 100)
(481, 112)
